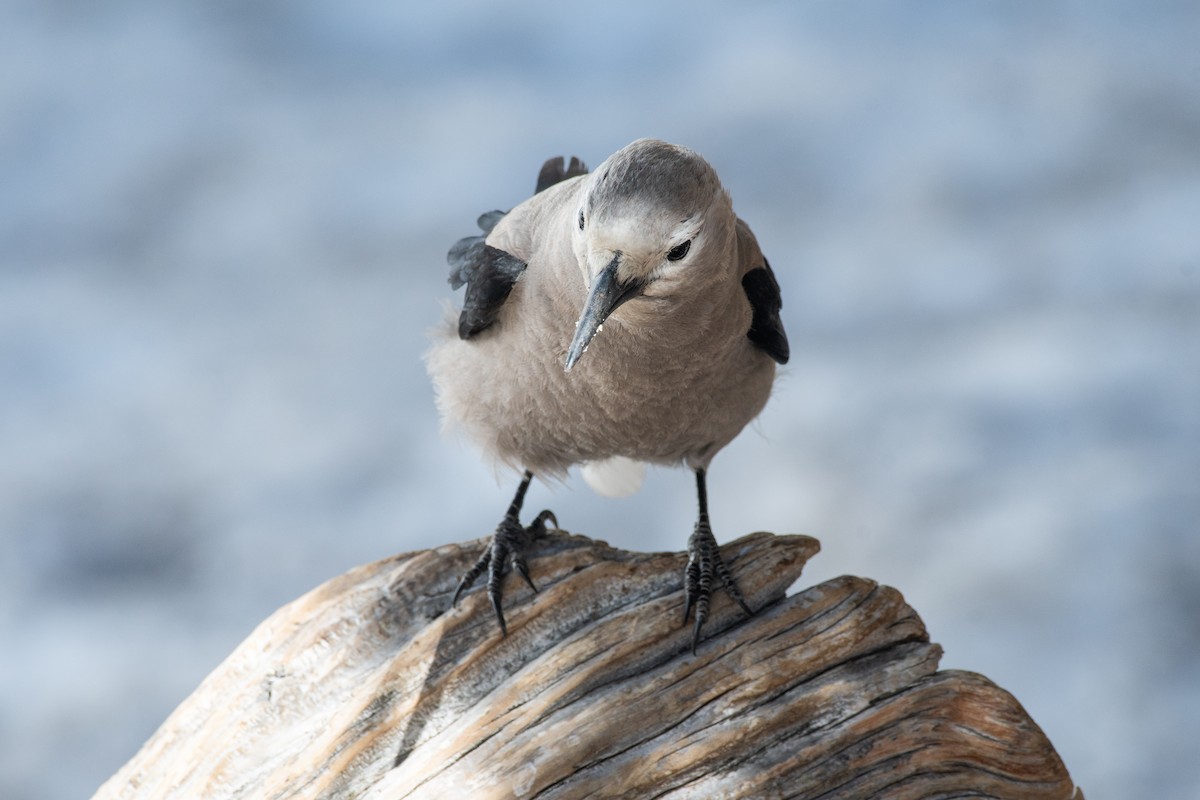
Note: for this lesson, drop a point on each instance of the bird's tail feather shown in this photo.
(614, 477)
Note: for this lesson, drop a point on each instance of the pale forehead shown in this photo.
(653, 176)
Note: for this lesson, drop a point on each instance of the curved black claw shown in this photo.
(507, 548)
(704, 561)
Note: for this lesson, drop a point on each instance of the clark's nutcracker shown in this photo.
(614, 318)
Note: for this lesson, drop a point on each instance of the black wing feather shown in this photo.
(489, 220)
(553, 172)
(766, 328)
(489, 272)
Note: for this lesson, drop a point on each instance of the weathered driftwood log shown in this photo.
(371, 686)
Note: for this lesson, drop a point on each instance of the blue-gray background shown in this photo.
(222, 239)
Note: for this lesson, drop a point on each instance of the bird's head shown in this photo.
(654, 224)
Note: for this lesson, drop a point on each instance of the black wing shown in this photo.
(489, 272)
(766, 328)
(553, 172)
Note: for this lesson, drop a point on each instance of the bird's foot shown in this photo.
(705, 562)
(507, 547)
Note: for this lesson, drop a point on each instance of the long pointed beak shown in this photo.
(606, 295)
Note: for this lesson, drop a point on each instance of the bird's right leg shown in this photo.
(507, 546)
(705, 564)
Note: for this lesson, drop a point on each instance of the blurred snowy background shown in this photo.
(222, 238)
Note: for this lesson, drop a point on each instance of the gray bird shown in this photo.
(616, 318)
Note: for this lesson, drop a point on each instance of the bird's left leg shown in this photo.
(507, 546)
(705, 562)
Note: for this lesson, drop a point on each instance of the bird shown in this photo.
(616, 318)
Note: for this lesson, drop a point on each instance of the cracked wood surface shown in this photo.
(371, 686)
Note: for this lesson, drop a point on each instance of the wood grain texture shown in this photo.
(371, 686)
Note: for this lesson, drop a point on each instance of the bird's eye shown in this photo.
(581, 219)
(679, 251)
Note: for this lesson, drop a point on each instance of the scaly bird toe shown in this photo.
(506, 549)
(705, 562)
